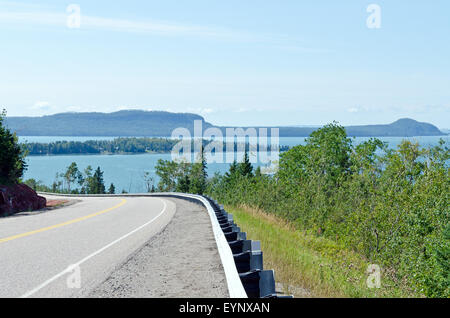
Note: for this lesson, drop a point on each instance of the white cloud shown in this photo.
(44, 106)
(358, 109)
(33, 14)
(59, 19)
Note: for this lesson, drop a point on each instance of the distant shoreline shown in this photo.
(159, 146)
(162, 124)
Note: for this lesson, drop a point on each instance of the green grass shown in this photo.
(307, 265)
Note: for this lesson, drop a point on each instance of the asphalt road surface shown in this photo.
(71, 251)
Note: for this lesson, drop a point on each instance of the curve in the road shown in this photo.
(70, 268)
(14, 237)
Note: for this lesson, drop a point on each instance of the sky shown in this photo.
(235, 62)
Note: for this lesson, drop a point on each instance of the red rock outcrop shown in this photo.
(19, 198)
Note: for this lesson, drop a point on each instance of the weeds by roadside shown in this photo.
(310, 266)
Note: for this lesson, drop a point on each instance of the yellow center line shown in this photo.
(7, 239)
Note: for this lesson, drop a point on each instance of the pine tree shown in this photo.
(258, 172)
(112, 189)
(183, 184)
(98, 186)
(12, 155)
(231, 174)
(198, 176)
(245, 167)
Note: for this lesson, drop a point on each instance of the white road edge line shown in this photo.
(66, 271)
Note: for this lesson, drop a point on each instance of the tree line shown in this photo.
(75, 181)
(116, 146)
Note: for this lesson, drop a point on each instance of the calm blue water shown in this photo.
(126, 171)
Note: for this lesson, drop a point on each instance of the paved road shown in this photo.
(67, 252)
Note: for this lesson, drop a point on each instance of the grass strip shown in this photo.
(307, 265)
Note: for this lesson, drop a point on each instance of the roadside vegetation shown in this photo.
(182, 176)
(337, 202)
(390, 207)
(307, 265)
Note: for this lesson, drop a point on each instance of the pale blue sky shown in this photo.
(236, 62)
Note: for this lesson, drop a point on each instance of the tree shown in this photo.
(245, 168)
(12, 155)
(112, 189)
(168, 173)
(258, 173)
(98, 185)
(87, 182)
(231, 174)
(198, 175)
(71, 175)
(183, 184)
(148, 181)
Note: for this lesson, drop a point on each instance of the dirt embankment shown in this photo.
(19, 198)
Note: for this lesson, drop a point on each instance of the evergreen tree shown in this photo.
(112, 189)
(258, 173)
(183, 184)
(12, 155)
(98, 186)
(198, 175)
(245, 168)
(231, 174)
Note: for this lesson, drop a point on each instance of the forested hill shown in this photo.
(161, 124)
(401, 128)
(123, 123)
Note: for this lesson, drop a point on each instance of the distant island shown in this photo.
(132, 123)
(118, 146)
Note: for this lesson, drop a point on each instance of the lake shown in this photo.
(126, 171)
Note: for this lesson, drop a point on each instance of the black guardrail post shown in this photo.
(248, 257)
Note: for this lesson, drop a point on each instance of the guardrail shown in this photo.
(248, 257)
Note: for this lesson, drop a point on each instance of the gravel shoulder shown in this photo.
(182, 261)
